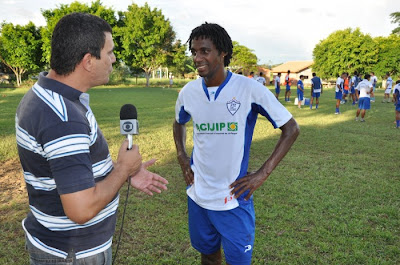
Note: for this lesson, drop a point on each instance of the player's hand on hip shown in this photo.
(148, 182)
(250, 182)
(188, 174)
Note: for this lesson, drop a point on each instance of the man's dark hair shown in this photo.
(217, 35)
(261, 73)
(366, 76)
(75, 35)
(314, 74)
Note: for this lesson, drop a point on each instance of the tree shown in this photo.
(396, 20)
(177, 60)
(52, 16)
(344, 51)
(146, 38)
(388, 55)
(20, 48)
(242, 57)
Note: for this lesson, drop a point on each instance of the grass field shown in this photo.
(334, 199)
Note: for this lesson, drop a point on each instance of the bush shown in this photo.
(119, 75)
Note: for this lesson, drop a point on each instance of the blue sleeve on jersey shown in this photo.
(184, 117)
(259, 109)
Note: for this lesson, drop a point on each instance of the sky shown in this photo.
(276, 31)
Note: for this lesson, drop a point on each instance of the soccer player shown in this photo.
(300, 91)
(345, 89)
(261, 79)
(288, 84)
(396, 97)
(353, 84)
(316, 90)
(389, 84)
(373, 80)
(364, 102)
(338, 91)
(224, 107)
(277, 85)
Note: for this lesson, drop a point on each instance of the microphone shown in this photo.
(128, 123)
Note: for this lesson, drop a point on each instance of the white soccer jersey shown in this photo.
(339, 82)
(222, 134)
(364, 87)
(389, 83)
(277, 81)
(261, 80)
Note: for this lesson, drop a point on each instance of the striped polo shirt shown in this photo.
(62, 151)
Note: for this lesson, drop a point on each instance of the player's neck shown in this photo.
(217, 79)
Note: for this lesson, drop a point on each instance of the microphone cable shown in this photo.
(122, 221)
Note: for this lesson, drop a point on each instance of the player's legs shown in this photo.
(338, 97)
(212, 259)
(237, 228)
(203, 235)
(398, 116)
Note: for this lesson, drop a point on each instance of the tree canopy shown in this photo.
(388, 55)
(344, 50)
(242, 57)
(146, 38)
(20, 48)
(395, 16)
(52, 16)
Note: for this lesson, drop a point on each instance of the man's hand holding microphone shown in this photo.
(129, 159)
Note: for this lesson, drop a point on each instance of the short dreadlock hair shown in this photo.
(217, 35)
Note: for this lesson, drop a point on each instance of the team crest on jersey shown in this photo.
(233, 106)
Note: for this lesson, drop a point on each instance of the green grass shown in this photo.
(334, 199)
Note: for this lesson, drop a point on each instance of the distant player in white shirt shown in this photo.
(389, 84)
(277, 82)
(260, 79)
(373, 81)
(220, 205)
(339, 91)
(366, 89)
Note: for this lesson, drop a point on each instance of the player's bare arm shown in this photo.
(179, 131)
(252, 181)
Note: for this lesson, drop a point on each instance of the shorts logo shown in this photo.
(247, 248)
(233, 106)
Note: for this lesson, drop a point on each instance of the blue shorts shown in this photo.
(346, 92)
(300, 95)
(277, 90)
(235, 229)
(287, 88)
(338, 95)
(316, 95)
(352, 90)
(364, 103)
(398, 107)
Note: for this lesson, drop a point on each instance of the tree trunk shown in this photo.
(147, 74)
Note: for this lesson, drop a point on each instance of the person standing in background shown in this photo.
(373, 80)
(365, 88)
(316, 90)
(388, 90)
(260, 79)
(300, 91)
(288, 84)
(277, 82)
